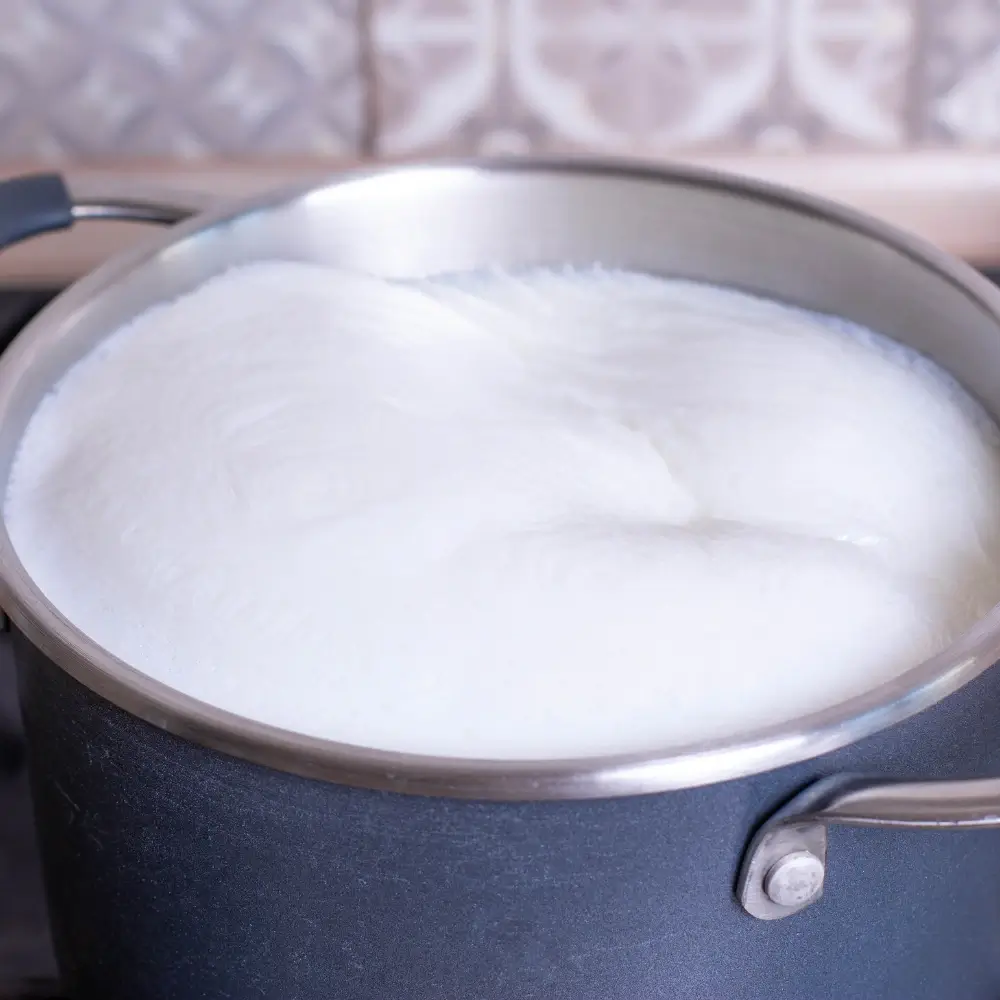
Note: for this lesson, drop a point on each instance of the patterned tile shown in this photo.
(98, 79)
(959, 83)
(640, 76)
(844, 73)
(436, 64)
(86, 79)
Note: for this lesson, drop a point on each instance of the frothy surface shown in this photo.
(545, 515)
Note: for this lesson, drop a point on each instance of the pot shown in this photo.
(191, 853)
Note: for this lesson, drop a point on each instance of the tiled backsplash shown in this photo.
(112, 80)
(187, 79)
(644, 76)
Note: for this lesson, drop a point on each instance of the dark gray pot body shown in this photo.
(176, 872)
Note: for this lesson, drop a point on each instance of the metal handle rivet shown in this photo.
(795, 879)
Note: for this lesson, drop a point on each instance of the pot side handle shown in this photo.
(41, 203)
(33, 204)
(784, 866)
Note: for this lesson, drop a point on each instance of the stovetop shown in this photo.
(27, 968)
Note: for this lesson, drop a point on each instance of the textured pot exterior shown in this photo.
(175, 871)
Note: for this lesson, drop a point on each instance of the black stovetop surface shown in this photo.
(27, 968)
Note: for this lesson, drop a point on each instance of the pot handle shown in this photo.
(41, 203)
(784, 866)
(32, 204)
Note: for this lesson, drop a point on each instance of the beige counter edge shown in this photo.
(953, 199)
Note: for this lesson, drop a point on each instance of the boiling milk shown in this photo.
(511, 516)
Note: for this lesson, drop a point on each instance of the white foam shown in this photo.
(546, 515)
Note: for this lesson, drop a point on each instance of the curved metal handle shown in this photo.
(41, 203)
(784, 865)
(129, 210)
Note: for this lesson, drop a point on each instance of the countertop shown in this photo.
(951, 198)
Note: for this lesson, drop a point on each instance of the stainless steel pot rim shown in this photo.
(661, 770)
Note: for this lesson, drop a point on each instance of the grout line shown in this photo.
(915, 98)
(368, 70)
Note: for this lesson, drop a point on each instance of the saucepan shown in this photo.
(191, 853)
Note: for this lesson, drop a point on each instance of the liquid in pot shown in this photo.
(544, 515)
